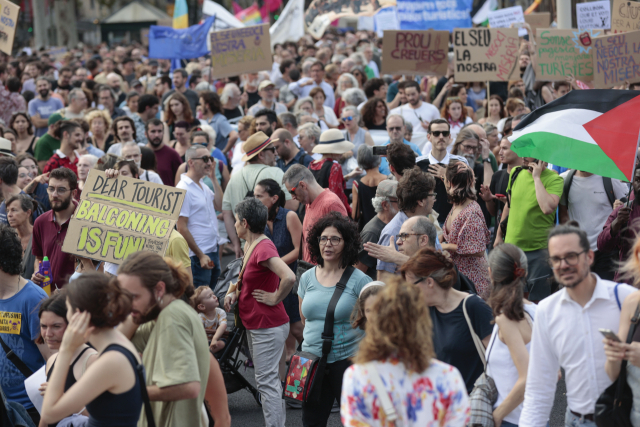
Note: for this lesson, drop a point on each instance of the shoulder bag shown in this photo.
(303, 381)
(385, 401)
(236, 287)
(484, 393)
(613, 407)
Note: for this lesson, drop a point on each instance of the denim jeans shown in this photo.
(571, 420)
(202, 276)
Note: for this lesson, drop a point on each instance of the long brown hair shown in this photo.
(498, 98)
(444, 112)
(151, 268)
(401, 327)
(462, 182)
(171, 118)
(100, 296)
(508, 275)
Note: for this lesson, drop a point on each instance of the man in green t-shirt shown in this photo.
(534, 196)
(47, 145)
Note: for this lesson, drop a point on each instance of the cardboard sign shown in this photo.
(595, 15)
(616, 59)
(8, 23)
(486, 54)
(538, 20)
(503, 18)
(120, 216)
(625, 16)
(240, 50)
(564, 52)
(415, 52)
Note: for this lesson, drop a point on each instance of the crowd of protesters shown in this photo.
(455, 256)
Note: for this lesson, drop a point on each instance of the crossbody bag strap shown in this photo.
(622, 376)
(476, 340)
(22, 367)
(327, 334)
(151, 422)
(383, 396)
(245, 259)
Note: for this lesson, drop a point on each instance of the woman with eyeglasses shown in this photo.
(360, 75)
(435, 274)
(465, 234)
(334, 244)
(374, 114)
(21, 124)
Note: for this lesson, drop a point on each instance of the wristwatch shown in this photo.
(487, 160)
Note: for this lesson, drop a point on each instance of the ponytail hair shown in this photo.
(100, 296)
(151, 268)
(508, 274)
(65, 126)
(273, 189)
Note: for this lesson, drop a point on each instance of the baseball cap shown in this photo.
(387, 188)
(54, 118)
(265, 83)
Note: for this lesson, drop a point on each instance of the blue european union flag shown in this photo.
(187, 43)
(434, 14)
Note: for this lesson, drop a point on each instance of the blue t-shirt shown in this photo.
(19, 327)
(45, 109)
(384, 164)
(221, 125)
(315, 301)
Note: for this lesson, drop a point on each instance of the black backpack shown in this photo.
(608, 187)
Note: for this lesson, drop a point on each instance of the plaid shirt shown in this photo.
(59, 160)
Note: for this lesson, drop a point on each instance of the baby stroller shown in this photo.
(229, 357)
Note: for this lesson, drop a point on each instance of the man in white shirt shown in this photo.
(131, 151)
(197, 222)
(303, 87)
(266, 90)
(416, 112)
(565, 333)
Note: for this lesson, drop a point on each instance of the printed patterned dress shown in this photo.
(435, 397)
(469, 231)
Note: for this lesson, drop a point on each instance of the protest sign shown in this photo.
(616, 59)
(240, 50)
(415, 52)
(434, 14)
(117, 217)
(385, 19)
(503, 18)
(485, 54)
(625, 16)
(538, 20)
(595, 15)
(185, 43)
(8, 23)
(564, 52)
(290, 24)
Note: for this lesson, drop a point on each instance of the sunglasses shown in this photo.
(347, 119)
(293, 189)
(437, 133)
(205, 159)
(394, 129)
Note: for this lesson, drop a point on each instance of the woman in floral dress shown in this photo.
(465, 233)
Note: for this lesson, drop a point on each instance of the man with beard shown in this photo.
(533, 197)
(198, 223)
(131, 151)
(416, 112)
(618, 233)
(169, 335)
(266, 121)
(50, 229)
(565, 333)
(71, 136)
(42, 106)
(289, 154)
(168, 159)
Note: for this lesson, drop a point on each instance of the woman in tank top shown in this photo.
(110, 389)
(364, 188)
(508, 350)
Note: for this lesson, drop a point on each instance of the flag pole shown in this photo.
(633, 172)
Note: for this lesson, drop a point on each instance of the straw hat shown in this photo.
(5, 148)
(332, 142)
(254, 145)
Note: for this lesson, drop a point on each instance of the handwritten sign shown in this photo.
(503, 18)
(625, 16)
(415, 52)
(240, 50)
(485, 54)
(564, 52)
(616, 59)
(595, 15)
(8, 23)
(538, 20)
(121, 216)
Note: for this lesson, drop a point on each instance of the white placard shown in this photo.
(595, 15)
(386, 19)
(32, 384)
(503, 18)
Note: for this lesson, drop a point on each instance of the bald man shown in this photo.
(288, 152)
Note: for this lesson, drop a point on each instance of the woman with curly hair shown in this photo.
(465, 233)
(334, 244)
(398, 349)
(434, 274)
(455, 113)
(374, 114)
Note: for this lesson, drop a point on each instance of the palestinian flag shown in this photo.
(589, 130)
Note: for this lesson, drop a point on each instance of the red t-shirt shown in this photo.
(325, 203)
(254, 314)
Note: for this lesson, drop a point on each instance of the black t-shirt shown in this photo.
(452, 339)
(370, 233)
(499, 184)
(441, 205)
(233, 113)
(254, 97)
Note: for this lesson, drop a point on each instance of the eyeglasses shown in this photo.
(60, 190)
(393, 199)
(205, 159)
(444, 133)
(570, 259)
(272, 149)
(293, 189)
(23, 175)
(347, 119)
(335, 240)
(422, 279)
(395, 129)
(431, 194)
(470, 147)
(403, 236)
(132, 156)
